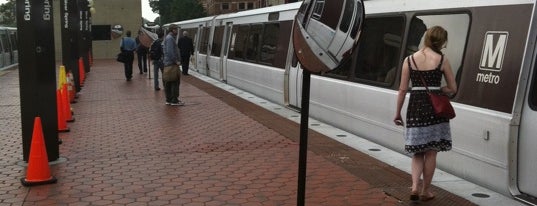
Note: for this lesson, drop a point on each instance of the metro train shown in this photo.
(9, 55)
(491, 47)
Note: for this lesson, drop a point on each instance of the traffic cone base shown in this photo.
(27, 183)
(38, 171)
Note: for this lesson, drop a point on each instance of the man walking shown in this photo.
(186, 48)
(171, 62)
(127, 46)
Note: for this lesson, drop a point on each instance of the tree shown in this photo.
(7, 14)
(177, 10)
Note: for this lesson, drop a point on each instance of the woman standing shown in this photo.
(426, 133)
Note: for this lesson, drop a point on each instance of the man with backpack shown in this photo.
(155, 54)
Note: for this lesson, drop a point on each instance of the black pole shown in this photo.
(303, 151)
(37, 73)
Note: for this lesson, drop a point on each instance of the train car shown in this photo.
(491, 47)
(8, 47)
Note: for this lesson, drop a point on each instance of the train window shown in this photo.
(241, 35)
(325, 7)
(253, 41)
(357, 23)
(5, 41)
(270, 43)
(318, 9)
(13, 38)
(284, 40)
(379, 50)
(274, 16)
(217, 41)
(532, 100)
(456, 25)
(347, 16)
(204, 43)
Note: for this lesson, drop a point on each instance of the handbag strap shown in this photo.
(421, 76)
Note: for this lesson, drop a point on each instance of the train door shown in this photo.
(225, 50)
(294, 82)
(14, 50)
(4, 53)
(203, 46)
(340, 43)
(527, 141)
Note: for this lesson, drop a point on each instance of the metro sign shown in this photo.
(494, 45)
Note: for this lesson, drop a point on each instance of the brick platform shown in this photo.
(128, 148)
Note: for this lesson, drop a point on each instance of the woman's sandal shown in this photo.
(425, 198)
(414, 197)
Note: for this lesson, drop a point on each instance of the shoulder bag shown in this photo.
(122, 56)
(441, 105)
(171, 73)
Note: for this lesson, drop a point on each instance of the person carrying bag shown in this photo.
(170, 74)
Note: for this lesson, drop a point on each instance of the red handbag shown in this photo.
(441, 104)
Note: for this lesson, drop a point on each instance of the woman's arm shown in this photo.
(451, 87)
(403, 88)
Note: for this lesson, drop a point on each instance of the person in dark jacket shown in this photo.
(142, 51)
(186, 48)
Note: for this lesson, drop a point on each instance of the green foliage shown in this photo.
(7, 14)
(177, 10)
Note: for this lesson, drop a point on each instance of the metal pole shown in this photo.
(303, 149)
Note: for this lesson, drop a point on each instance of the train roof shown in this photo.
(388, 6)
(240, 14)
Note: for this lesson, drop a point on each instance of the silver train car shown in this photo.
(491, 47)
(9, 55)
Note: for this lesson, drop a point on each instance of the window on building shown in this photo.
(250, 5)
(101, 32)
(225, 6)
(242, 6)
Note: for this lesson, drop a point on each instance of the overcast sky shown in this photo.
(146, 10)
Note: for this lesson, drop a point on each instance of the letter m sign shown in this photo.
(493, 52)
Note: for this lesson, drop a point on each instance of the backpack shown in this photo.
(155, 52)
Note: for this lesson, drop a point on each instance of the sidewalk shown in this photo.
(128, 148)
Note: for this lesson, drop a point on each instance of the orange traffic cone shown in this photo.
(62, 125)
(38, 172)
(81, 71)
(66, 104)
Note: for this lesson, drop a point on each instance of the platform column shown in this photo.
(70, 27)
(37, 73)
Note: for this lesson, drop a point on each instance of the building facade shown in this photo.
(109, 15)
(216, 7)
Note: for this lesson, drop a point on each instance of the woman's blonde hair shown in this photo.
(435, 38)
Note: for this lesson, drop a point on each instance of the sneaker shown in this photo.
(179, 103)
(168, 103)
(157, 89)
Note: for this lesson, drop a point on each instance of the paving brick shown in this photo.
(128, 148)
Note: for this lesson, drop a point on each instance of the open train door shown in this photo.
(527, 154)
(325, 33)
(224, 53)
